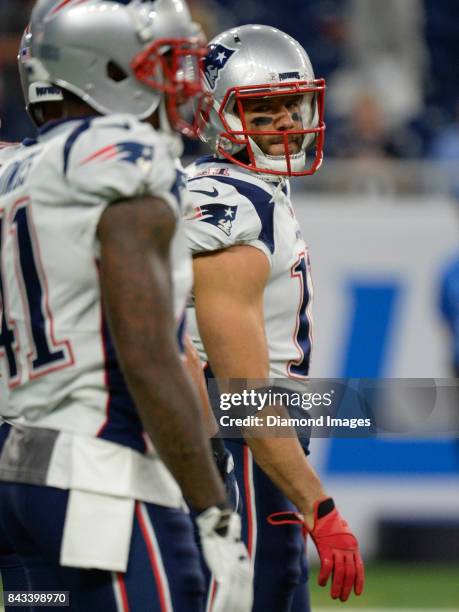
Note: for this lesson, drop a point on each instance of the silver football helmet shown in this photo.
(120, 56)
(35, 92)
(257, 61)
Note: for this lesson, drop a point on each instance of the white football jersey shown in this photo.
(7, 151)
(55, 346)
(234, 206)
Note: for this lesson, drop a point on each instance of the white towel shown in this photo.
(97, 531)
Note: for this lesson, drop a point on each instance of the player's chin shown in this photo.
(279, 149)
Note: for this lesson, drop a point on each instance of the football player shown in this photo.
(38, 96)
(43, 103)
(252, 293)
(107, 439)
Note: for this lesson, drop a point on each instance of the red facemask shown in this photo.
(236, 96)
(181, 82)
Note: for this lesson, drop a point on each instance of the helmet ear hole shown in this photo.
(115, 72)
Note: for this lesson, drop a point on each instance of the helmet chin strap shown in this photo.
(174, 139)
(262, 160)
(277, 162)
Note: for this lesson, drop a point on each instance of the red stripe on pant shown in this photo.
(249, 500)
(123, 591)
(153, 560)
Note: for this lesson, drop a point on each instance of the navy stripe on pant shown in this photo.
(278, 552)
(163, 574)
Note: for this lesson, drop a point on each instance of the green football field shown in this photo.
(394, 587)
(398, 586)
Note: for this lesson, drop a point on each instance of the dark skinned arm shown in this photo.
(135, 277)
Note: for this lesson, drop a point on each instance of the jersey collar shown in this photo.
(56, 123)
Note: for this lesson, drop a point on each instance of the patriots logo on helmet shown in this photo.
(215, 61)
(220, 215)
(132, 152)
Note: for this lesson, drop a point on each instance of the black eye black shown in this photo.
(259, 121)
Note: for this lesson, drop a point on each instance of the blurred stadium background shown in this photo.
(382, 222)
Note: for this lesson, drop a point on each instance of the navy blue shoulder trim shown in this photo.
(29, 142)
(82, 127)
(50, 125)
(261, 201)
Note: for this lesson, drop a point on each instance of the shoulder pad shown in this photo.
(8, 150)
(229, 211)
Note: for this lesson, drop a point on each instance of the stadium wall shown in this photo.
(376, 270)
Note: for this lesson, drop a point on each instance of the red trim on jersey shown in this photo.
(293, 274)
(297, 361)
(105, 153)
(104, 351)
(153, 559)
(123, 591)
(69, 359)
(248, 498)
(198, 214)
(12, 382)
(17, 266)
(213, 592)
(65, 345)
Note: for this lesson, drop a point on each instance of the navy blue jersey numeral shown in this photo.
(302, 338)
(8, 345)
(46, 354)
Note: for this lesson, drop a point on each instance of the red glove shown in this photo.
(338, 551)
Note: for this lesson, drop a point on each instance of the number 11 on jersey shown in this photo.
(299, 368)
(45, 354)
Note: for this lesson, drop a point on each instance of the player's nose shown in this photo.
(284, 119)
